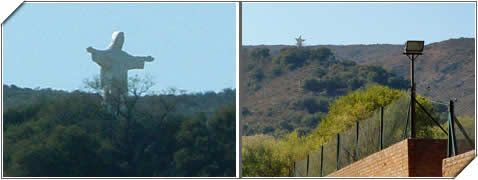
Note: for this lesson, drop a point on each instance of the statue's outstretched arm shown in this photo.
(137, 62)
(144, 58)
(98, 56)
(93, 50)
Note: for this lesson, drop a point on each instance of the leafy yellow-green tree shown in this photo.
(292, 147)
(356, 106)
(259, 158)
(362, 104)
(265, 156)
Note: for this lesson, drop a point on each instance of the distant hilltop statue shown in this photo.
(299, 41)
(115, 63)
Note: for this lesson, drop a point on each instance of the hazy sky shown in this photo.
(356, 23)
(193, 44)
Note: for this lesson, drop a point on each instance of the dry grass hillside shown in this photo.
(275, 104)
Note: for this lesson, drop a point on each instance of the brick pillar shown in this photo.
(425, 157)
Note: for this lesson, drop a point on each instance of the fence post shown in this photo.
(322, 161)
(381, 127)
(307, 164)
(451, 131)
(357, 142)
(338, 151)
(405, 132)
(293, 171)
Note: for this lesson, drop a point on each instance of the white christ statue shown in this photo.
(115, 63)
(299, 41)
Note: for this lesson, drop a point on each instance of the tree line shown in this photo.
(156, 135)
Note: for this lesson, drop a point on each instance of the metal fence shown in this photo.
(464, 134)
(384, 128)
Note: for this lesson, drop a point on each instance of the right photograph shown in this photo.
(357, 89)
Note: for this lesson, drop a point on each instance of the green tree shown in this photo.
(68, 151)
(258, 74)
(192, 154)
(320, 54)
(260, 54)
(314, 85)
(292, 57)
(223, 141)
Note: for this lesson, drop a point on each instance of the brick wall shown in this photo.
(407, 158)
(425, 157)
(390, 162)
(454, 165)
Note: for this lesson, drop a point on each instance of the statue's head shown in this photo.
(118, 40)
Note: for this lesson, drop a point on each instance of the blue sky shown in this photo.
(356, 23)
(193, 44)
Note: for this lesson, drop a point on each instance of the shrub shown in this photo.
(285, 125)
(321, 54)
(311, 105)
(313, 85)
(349, 63)
(293, 57)
(260, 157)
(260, 53)
(267, 129)
(245, 111)
(258, 74)
(312, 120)
(276, 71)
(354, 84)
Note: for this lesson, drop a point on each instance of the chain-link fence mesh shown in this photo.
(330, 157)
(314, 164)
(369, 139)
(300, 169)
(465, 134)
(347, 150)
(463, 96)
(396, 121)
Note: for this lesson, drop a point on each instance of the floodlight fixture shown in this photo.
(414, 47)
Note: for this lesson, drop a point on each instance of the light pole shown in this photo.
(412, 50)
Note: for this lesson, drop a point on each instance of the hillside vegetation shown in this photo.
(445, 70)
(73, 135)
(292, 89)
(185, 103)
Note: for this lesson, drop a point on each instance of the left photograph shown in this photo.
(119, 90)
